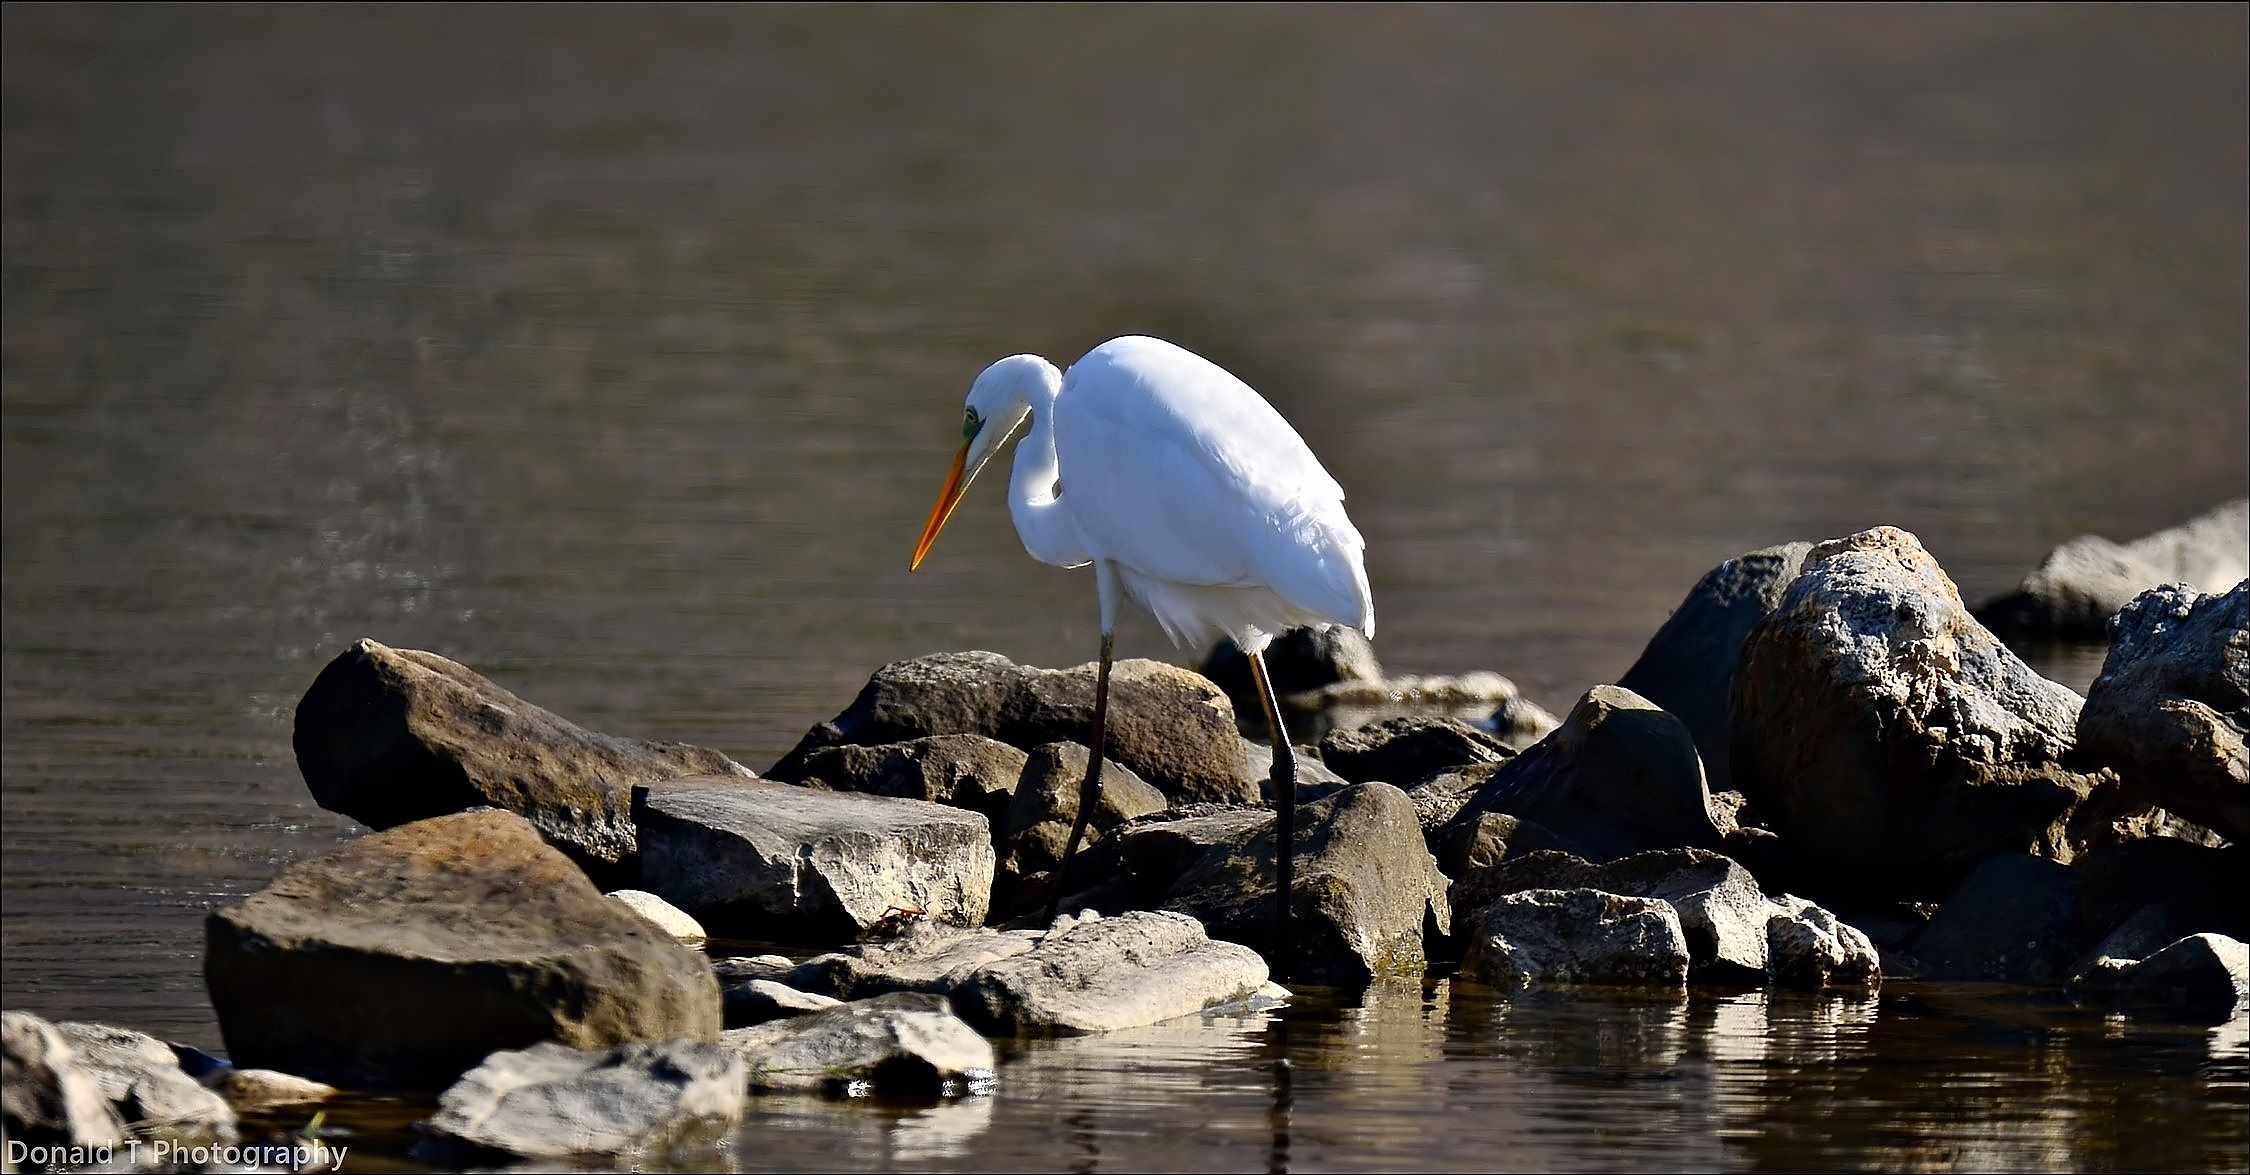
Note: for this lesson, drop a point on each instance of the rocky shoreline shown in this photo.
(1823, 771)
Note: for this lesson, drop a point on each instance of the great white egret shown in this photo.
(1188, 493)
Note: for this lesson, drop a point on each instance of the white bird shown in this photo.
(1189, 494)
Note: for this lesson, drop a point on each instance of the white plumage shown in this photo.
(1184, 488)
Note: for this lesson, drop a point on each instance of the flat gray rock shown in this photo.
(387, 736)
(141, 1078)
(1100, 974)
(1574, 936)
(404, 958)
(652, 1104)
(907, 1044)
(1891, 741)
(46, 1097)
(777, 861)
(926, 957)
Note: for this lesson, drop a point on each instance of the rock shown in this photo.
(662, 914)
(1688, 666)
(744, 968)
(1314, 780)
(1402, 751)
(1170, 726)
(774, 861)
(925, 958)
(960, 770)
(2013, 919)
(2202, 977)
(904, 1044)
(1368, 895)
(404, 958)
(387, 736)
(46, 1097)
(142, 1080)
(258, 1090)
(1440, 798)
(2171, 709)
(2200, 885)
(1619, 776)
(1155, 852)
(1886, 737)
(1808, 947)
(645, 1102)
(1487, 701)
(1722, 911)
(1098, 974)
(1298, 660)
(1565, 936)
(762, 1001)
(1046, 805)
(2081, 584)
(2149, 930)
(1469, 843)
(1519, 722)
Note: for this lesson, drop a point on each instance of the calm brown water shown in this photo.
(617, 353)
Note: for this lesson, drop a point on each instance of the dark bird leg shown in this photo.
(1285, 823)
(1089, 792)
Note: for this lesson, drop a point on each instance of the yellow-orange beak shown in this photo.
(947, 499)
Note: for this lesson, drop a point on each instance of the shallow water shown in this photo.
(618, 354)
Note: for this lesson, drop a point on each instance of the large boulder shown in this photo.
(1688, 666)
(907, 1044)
(404, 958)
(2171, 709)
(2013, 919)
(1572, 936)
(1722, 912)
(1619, 776)
(962, 770)
(666, 1104)
(1403, 751)
(1368, 895)
(2081, 584)
(1888, 738)
(1094, 974)
(769, 860)
(1172, 727)
(46, 1097)
(1298, 660)
(387, 736)
(141, 1078)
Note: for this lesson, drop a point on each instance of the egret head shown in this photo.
(999, 402)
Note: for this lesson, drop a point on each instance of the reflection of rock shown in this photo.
(2082, 583)
(1688, 666)
(547, 1102)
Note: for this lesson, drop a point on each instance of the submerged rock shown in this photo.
(2081, 584)
(46, 1097)
(1887, 738)
(1096, 974)
(1566, 936)
(906, 1045)
(961, 770)
(2013, 919)
(1619, 776)
(1688, 666)
(141, 1078)
(662, 914)
(2202, 977)
(1722, 912)
(776, 861)
(2171, 709)
(387, 736)
(1368, 895)
(1808, 947)
(643, 1102)
(1170, 726)
(404, 958)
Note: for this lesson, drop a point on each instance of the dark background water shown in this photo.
(617, 352)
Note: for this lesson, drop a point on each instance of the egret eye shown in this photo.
(970, 424)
